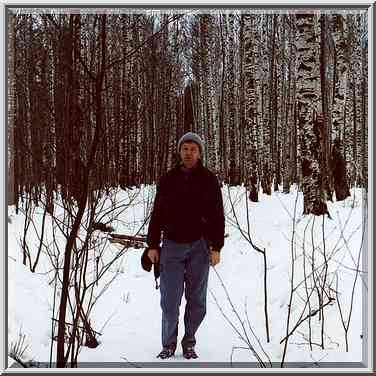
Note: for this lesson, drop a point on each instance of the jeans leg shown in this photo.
(196, 283)
(171, 288)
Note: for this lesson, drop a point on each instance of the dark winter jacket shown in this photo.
(188, 206)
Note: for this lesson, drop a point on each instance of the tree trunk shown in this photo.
(310, 121)
(250, 108)
(61, 358)
(338, 123)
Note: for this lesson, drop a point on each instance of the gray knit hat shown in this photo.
(193, 137)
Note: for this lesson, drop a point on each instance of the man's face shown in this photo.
(189, 154)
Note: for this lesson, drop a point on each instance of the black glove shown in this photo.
(147, 264)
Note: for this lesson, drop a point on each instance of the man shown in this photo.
(188, 211)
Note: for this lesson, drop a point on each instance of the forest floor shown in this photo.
(128, 314)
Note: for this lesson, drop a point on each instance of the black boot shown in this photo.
(167, 352)
(189, 352)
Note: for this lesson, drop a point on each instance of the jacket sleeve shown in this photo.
(216, 233)
(155, 225)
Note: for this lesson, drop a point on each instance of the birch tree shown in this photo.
(338, 111)
(310, 120)
(250, 108)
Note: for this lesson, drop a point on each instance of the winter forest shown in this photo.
(96, 104)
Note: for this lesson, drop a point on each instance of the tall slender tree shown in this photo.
(310, 119)
(338, 111)
(250, 108)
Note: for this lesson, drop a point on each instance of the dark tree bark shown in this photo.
(61, 358)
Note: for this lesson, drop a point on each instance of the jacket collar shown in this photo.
(198, 167)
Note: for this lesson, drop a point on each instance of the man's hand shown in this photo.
(153, 255)
(215, 257)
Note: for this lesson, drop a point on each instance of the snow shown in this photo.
(128, 315)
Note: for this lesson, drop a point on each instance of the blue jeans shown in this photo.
(183, 264)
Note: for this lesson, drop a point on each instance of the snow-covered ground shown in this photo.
(128, 315)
